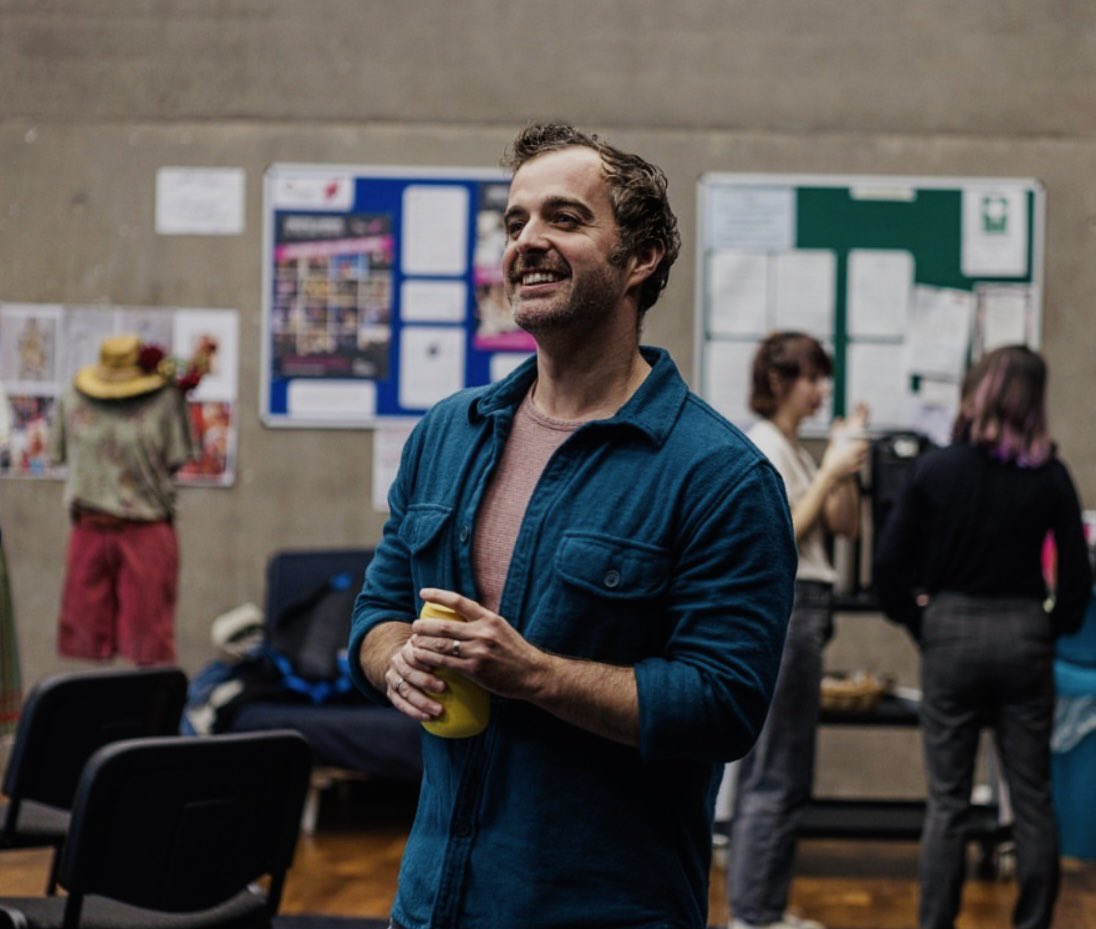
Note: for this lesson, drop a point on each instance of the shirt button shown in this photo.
(465, 532)
(463, 830)
(612, 578)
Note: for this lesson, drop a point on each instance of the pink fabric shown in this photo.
(119, 594)
(532, 440)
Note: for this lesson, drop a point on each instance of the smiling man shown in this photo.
(623, 560)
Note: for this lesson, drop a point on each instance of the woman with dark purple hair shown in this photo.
(960, 564)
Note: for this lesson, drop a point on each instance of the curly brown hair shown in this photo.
(637, 191)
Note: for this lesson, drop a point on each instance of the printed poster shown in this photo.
(332, 301)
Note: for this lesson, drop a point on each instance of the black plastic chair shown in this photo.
(65, 719)
(177, 833)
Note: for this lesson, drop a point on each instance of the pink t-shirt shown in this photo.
(533, 439)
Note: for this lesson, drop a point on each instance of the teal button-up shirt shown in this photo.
(659, 538)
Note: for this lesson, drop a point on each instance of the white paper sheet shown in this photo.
(334, 401)
(879, 285)
(435, 230)
(84, 328)
(995, 232)
(433, 301)
(727, 367)
(30, 348)
(1004, 315)
(431, 365)
(759, 218)
(388, 442)
(804, 282)
(877, 374)
(200, 201)
(738, 293)
(940, 331)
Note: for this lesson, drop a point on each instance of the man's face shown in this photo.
(559, 265)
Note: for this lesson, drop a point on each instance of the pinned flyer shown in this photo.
(995, 232)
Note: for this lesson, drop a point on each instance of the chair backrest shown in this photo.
(182, 824)
(293, 573)
(67, 717)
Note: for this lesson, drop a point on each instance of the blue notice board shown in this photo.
(382, 292)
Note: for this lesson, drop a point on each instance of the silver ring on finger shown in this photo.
(399, 684)
(455, 650)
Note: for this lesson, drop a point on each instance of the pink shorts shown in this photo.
(119, 596)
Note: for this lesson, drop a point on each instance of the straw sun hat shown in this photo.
(117, 375)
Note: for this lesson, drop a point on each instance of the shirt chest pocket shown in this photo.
(611, 567)
(424, 530)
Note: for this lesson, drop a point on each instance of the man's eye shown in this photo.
(513, 229)
(566, 219)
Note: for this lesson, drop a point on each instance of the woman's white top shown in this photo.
(798, 469)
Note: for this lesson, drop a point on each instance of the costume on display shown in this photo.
(660, 539)
(123, 431)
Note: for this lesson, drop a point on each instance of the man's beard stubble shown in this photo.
(591, 297)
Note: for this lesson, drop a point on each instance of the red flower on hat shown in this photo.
(186, 375)
(149, 357)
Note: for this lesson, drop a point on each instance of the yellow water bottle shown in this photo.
(467, 706)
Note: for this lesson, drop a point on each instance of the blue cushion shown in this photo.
(1080, 648)
(1074, 680)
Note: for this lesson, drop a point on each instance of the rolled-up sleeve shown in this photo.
(707, 696)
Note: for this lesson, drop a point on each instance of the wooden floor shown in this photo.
(349, 868)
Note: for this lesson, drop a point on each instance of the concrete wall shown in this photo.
(98, 94)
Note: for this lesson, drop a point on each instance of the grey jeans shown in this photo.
(776, 776)
(987, 662)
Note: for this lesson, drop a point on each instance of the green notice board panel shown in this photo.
(905, 280)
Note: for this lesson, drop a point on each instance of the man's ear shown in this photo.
(647, 258)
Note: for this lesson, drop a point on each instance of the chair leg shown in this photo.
(311, 811)
(54, 871)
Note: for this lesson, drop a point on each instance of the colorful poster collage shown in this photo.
(43, 345)
(332, 310)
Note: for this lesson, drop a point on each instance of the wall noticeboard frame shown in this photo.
(382, 292)
(905, 280)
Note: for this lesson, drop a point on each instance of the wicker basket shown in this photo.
(854, 692)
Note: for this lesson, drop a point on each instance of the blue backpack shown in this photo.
(306, 643)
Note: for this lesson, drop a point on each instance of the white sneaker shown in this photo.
(787, 921)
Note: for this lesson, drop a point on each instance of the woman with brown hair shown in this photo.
(960, 563)
(790, 378)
